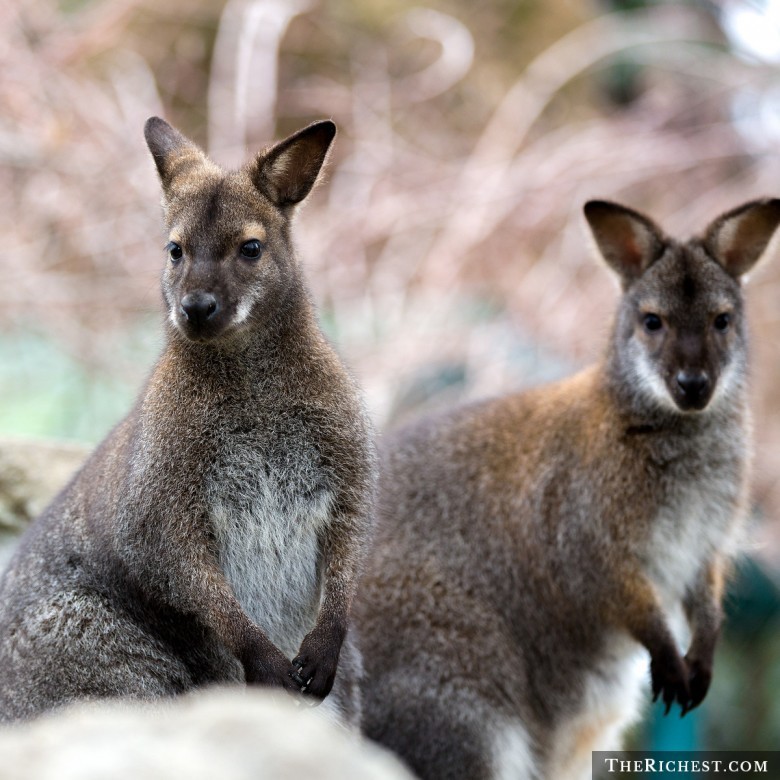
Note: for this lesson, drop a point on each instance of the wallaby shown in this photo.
(529, 547)
(214, 535)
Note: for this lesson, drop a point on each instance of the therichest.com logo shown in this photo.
(683, 765)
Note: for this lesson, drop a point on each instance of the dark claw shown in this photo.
(699, 679)
(298, 680)
(670, 681)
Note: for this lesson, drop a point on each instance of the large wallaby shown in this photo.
(214, 535)
(530, 546)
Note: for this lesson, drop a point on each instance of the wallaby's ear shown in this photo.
(173, 153)
(739, 238)
(287, 172)
(628, 241)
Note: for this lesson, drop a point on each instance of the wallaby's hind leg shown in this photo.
(74, 645)
(443, 735)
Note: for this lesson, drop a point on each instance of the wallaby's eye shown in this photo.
(652, 322)
(722, 322)
(251, 250)
(175, 252)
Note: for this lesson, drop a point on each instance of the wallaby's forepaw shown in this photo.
(670, 677)
(699, 679)
(273, 671)
(314, 668)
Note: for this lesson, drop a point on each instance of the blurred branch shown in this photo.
(242, 89)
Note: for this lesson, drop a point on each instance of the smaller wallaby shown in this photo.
(214, 536)
(529, 547)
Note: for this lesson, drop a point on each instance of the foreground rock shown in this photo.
(225, 734)
(32, 471)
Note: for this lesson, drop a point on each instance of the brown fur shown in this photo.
(530, 545)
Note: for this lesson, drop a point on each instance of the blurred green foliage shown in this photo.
(49, 392)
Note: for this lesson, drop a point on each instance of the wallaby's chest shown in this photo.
(269, 504)
(697, 514)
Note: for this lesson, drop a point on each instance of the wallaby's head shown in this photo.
(679, 339)
(230, 262)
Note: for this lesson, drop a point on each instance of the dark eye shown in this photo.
(175, 252)
(722, 322)
(251, 250)
(652, 322)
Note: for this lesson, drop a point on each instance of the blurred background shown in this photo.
(446, 249)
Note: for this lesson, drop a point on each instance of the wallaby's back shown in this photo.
(529, 546)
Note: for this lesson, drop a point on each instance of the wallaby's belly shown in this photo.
(267, 525)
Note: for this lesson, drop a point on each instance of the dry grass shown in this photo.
(449, 236)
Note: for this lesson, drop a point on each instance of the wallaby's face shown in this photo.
(680, 333)
(230, 263)
(682, 329)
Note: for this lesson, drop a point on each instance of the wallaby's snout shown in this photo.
(692, 351)
(203, 295)
(198, 308)
(695, 390)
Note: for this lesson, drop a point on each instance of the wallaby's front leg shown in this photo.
(702, 605)
(217, 607)
(318, 656)
(187, 576)
(637, 608)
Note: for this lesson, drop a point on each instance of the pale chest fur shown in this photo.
(268, 517)
(699, 517)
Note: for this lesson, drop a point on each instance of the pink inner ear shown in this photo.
(633, 255)
(628, 246)
(733, 260)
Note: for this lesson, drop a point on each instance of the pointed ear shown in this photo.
(173, 153)
(287, 172)
(628, 241)
(739, 238)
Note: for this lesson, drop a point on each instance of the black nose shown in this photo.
(695, 387)
(199, 307)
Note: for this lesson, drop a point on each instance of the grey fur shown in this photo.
(529, 547)
(217, 531)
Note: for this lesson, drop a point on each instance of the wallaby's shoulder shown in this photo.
(498, 434)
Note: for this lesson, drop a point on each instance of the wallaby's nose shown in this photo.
(695, 387)
(199, 307)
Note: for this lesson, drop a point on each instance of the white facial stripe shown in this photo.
(728, 382)
(245, 305)
(649, 381)
(242, 310)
